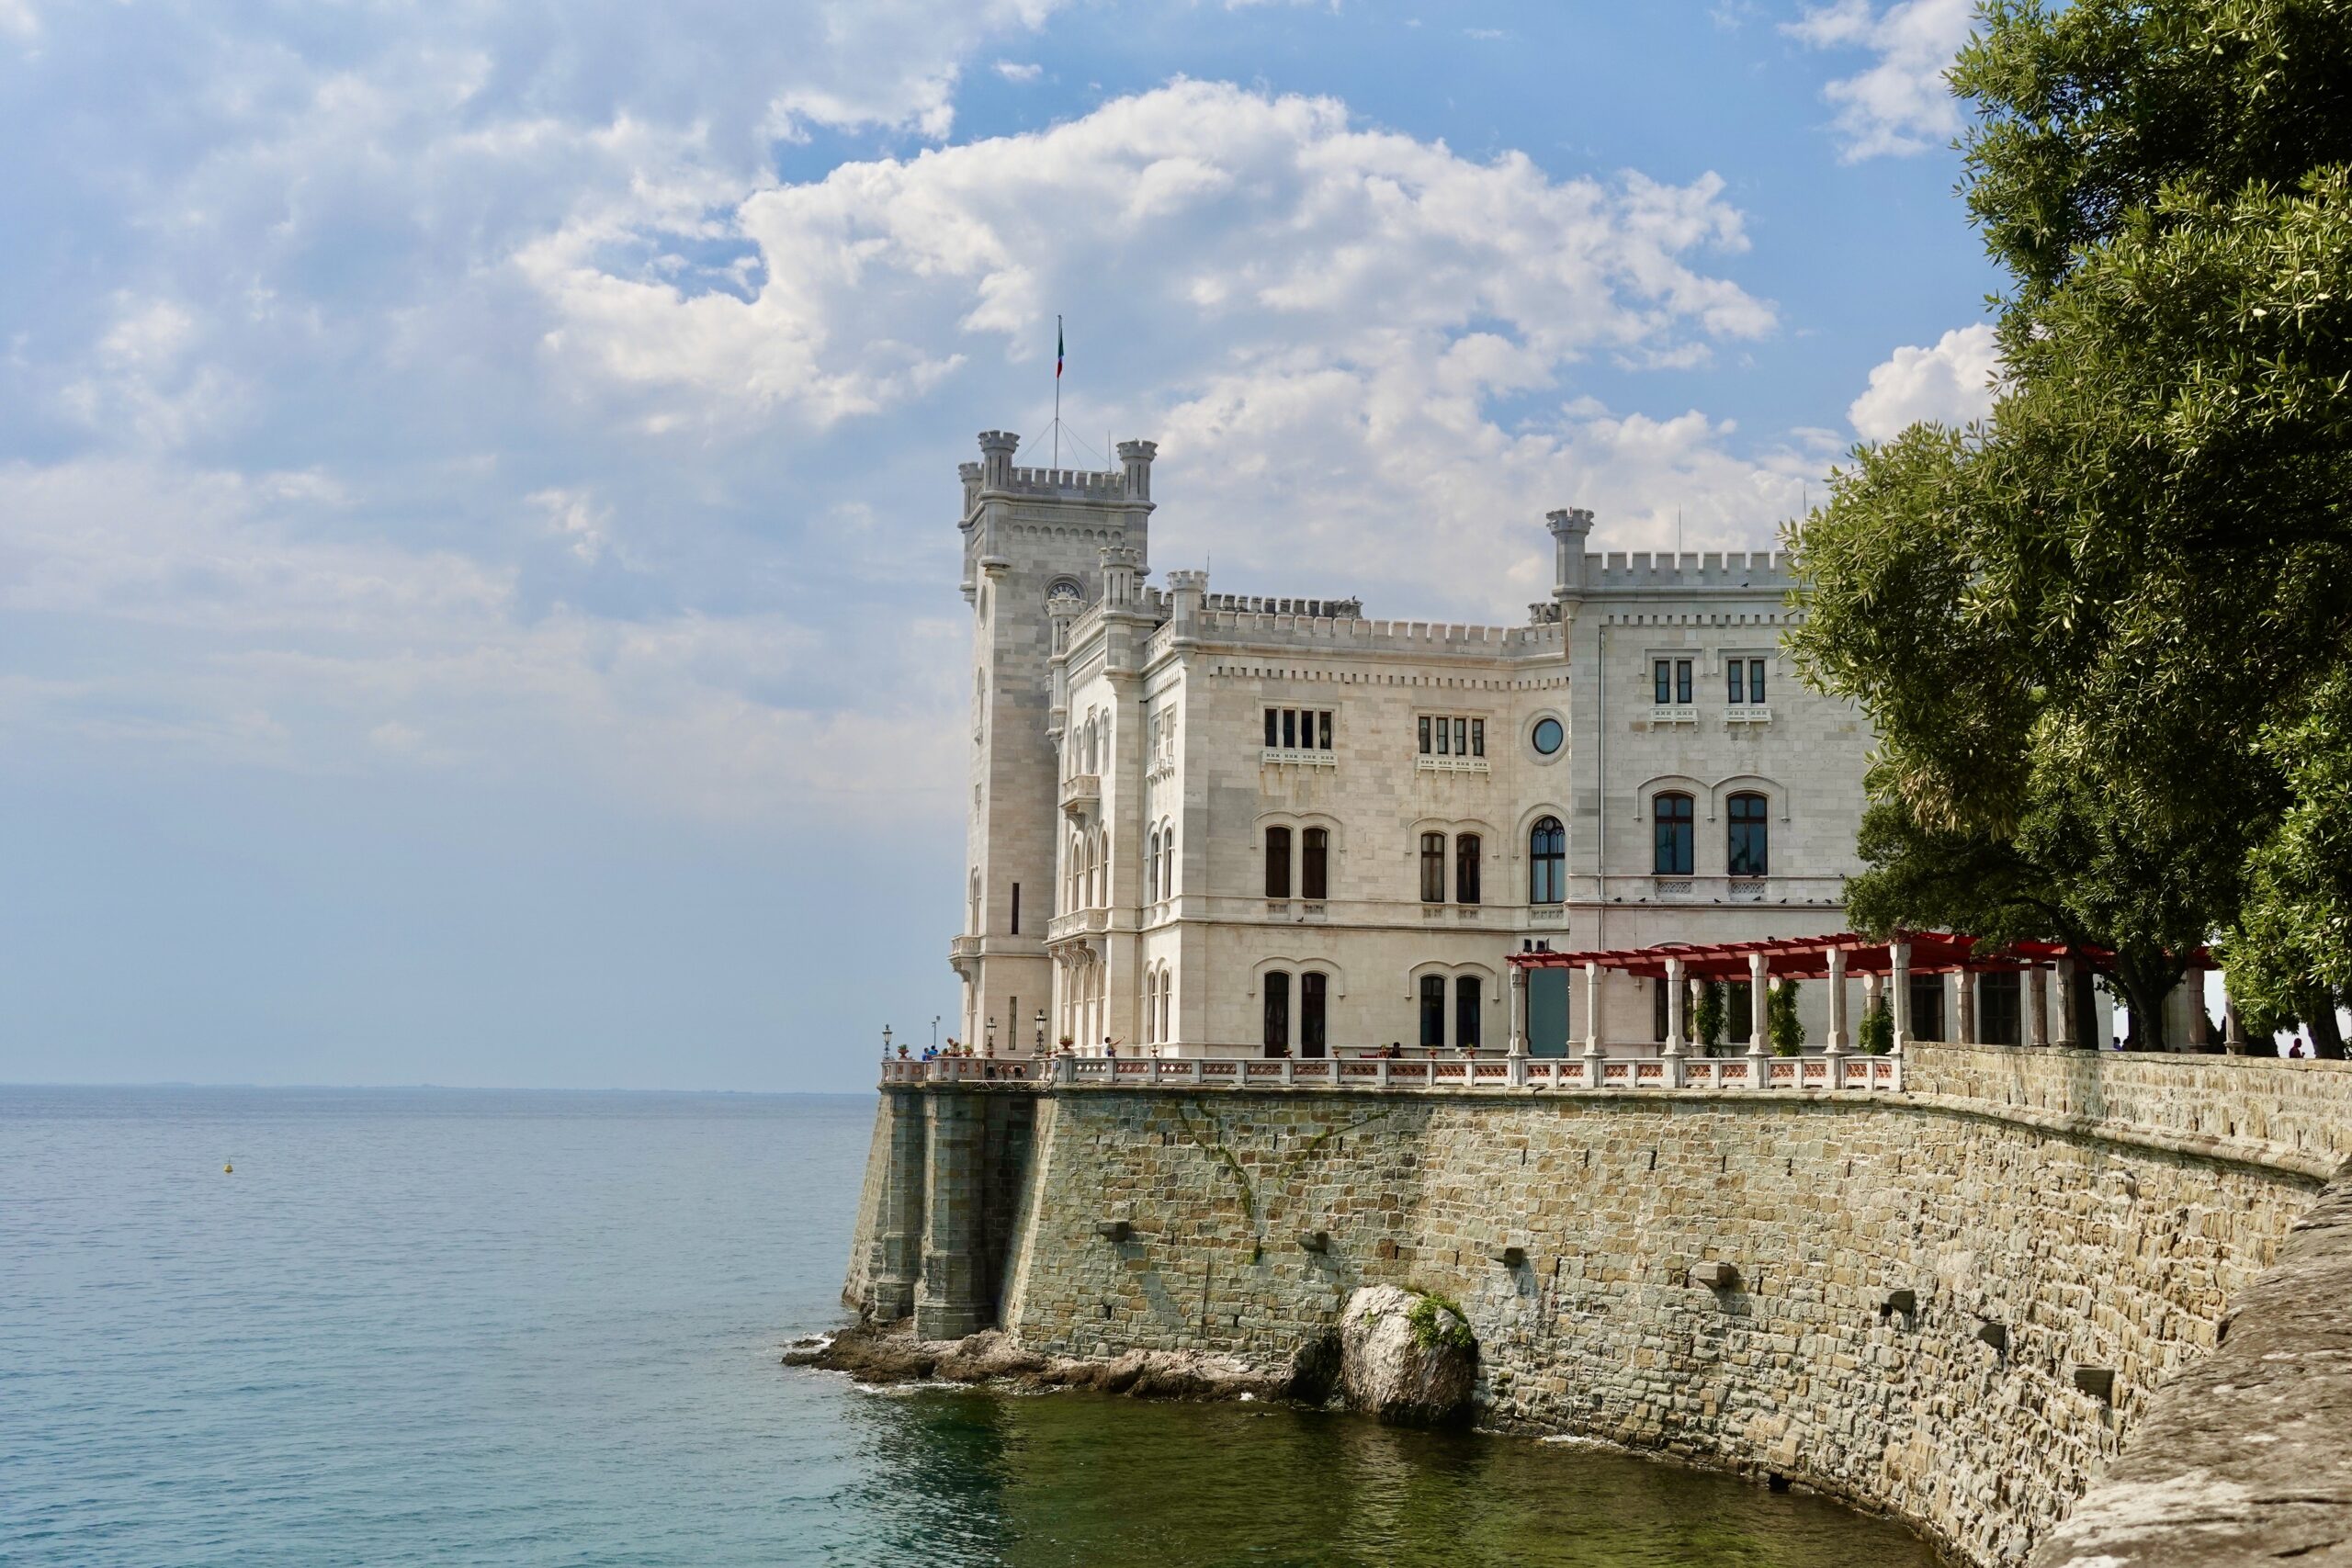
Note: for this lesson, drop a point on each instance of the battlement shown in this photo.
(1417, 636)
(1311, 609)
(1075, 484)
(1622, 570)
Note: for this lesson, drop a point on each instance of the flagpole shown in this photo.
(1058, 391)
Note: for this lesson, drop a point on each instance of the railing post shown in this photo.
(1382, 1076)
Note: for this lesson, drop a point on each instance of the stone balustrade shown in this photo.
(1388, 1074)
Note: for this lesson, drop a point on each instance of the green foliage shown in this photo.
(1876, 1036)
(2090, 633)
(1707, 1018)
(1439, 1323)
(2292, 953)
(1780, 1018)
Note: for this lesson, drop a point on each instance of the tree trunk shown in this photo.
(2327, 1039)
(2147, 981)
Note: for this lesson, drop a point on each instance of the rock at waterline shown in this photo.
(1407, 1358)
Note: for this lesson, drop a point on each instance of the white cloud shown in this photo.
(239, 636)
(513, 418)
(1270, 224)
(1014, 71)
(1899, 103)
(1950, 383)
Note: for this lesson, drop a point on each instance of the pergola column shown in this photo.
(1964, 1011)
(1673, 983)
(1592, 1010)
(2037, 1005)
(1836, 1042)
(2200, 1028)
(1898, 981)
(1518, 1010)
(2070, 988)
(1759, 999)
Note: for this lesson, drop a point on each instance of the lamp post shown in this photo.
(886, 1042)
(934, 1034)
(992, 1038)
(1041, 1032)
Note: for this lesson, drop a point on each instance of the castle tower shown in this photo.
(1034, 543)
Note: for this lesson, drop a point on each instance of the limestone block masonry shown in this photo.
(1954, 1303)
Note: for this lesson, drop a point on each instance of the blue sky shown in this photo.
(477, 547)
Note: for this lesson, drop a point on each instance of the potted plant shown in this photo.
(1787, 1030)
(1707, 1018)
(1876, 1035)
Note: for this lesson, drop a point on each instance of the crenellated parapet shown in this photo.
(1645, 570)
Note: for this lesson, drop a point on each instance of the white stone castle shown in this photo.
(1208, 825)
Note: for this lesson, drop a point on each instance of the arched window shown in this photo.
(1093, 869)
(1151, 868)
(1167, 988)
(1150, 1006)
(1433, 868)
(1751, 837)
(1465, 868)
(1547, 862)
(1314, 863)
(1466, 1012)
(1278, 863)
(1277, 1013)
(1166, 859)
(1671, 841)
(1433, 1010)
(1314, 986)
(974, 899)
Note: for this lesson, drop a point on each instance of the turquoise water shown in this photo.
(459, 1328)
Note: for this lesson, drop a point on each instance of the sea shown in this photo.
(316, 1327)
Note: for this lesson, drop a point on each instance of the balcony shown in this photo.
(1451, 765)
(1749, 713)
(1297, 757)
(1674, 713)
(1081, 792)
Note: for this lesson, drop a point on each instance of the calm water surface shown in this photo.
(459, 1327)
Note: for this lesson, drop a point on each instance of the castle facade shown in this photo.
(1201, 824)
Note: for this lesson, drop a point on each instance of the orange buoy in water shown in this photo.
(228, 1170)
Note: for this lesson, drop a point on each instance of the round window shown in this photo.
(1547, 736)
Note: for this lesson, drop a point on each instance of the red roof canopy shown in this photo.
(1807, 958)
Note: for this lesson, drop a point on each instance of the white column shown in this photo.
(1964, 1012)
(1873, 991)
(1835, 1042)
(2200, 1031)
(1760, 997)
(1592, 1010)
(2037, 1005)
(1518, 1011)
(1899, 982)
(1673, 983)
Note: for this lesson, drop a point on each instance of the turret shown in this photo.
(1570, 529)
(1119, 574)
(997, 447)
(1134, 462)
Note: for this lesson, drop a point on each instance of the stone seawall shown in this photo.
(1951, 1304)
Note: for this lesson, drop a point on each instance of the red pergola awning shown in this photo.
(1807, 958)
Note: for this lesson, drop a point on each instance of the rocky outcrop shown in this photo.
(1406, 1357)
(890, 1354)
